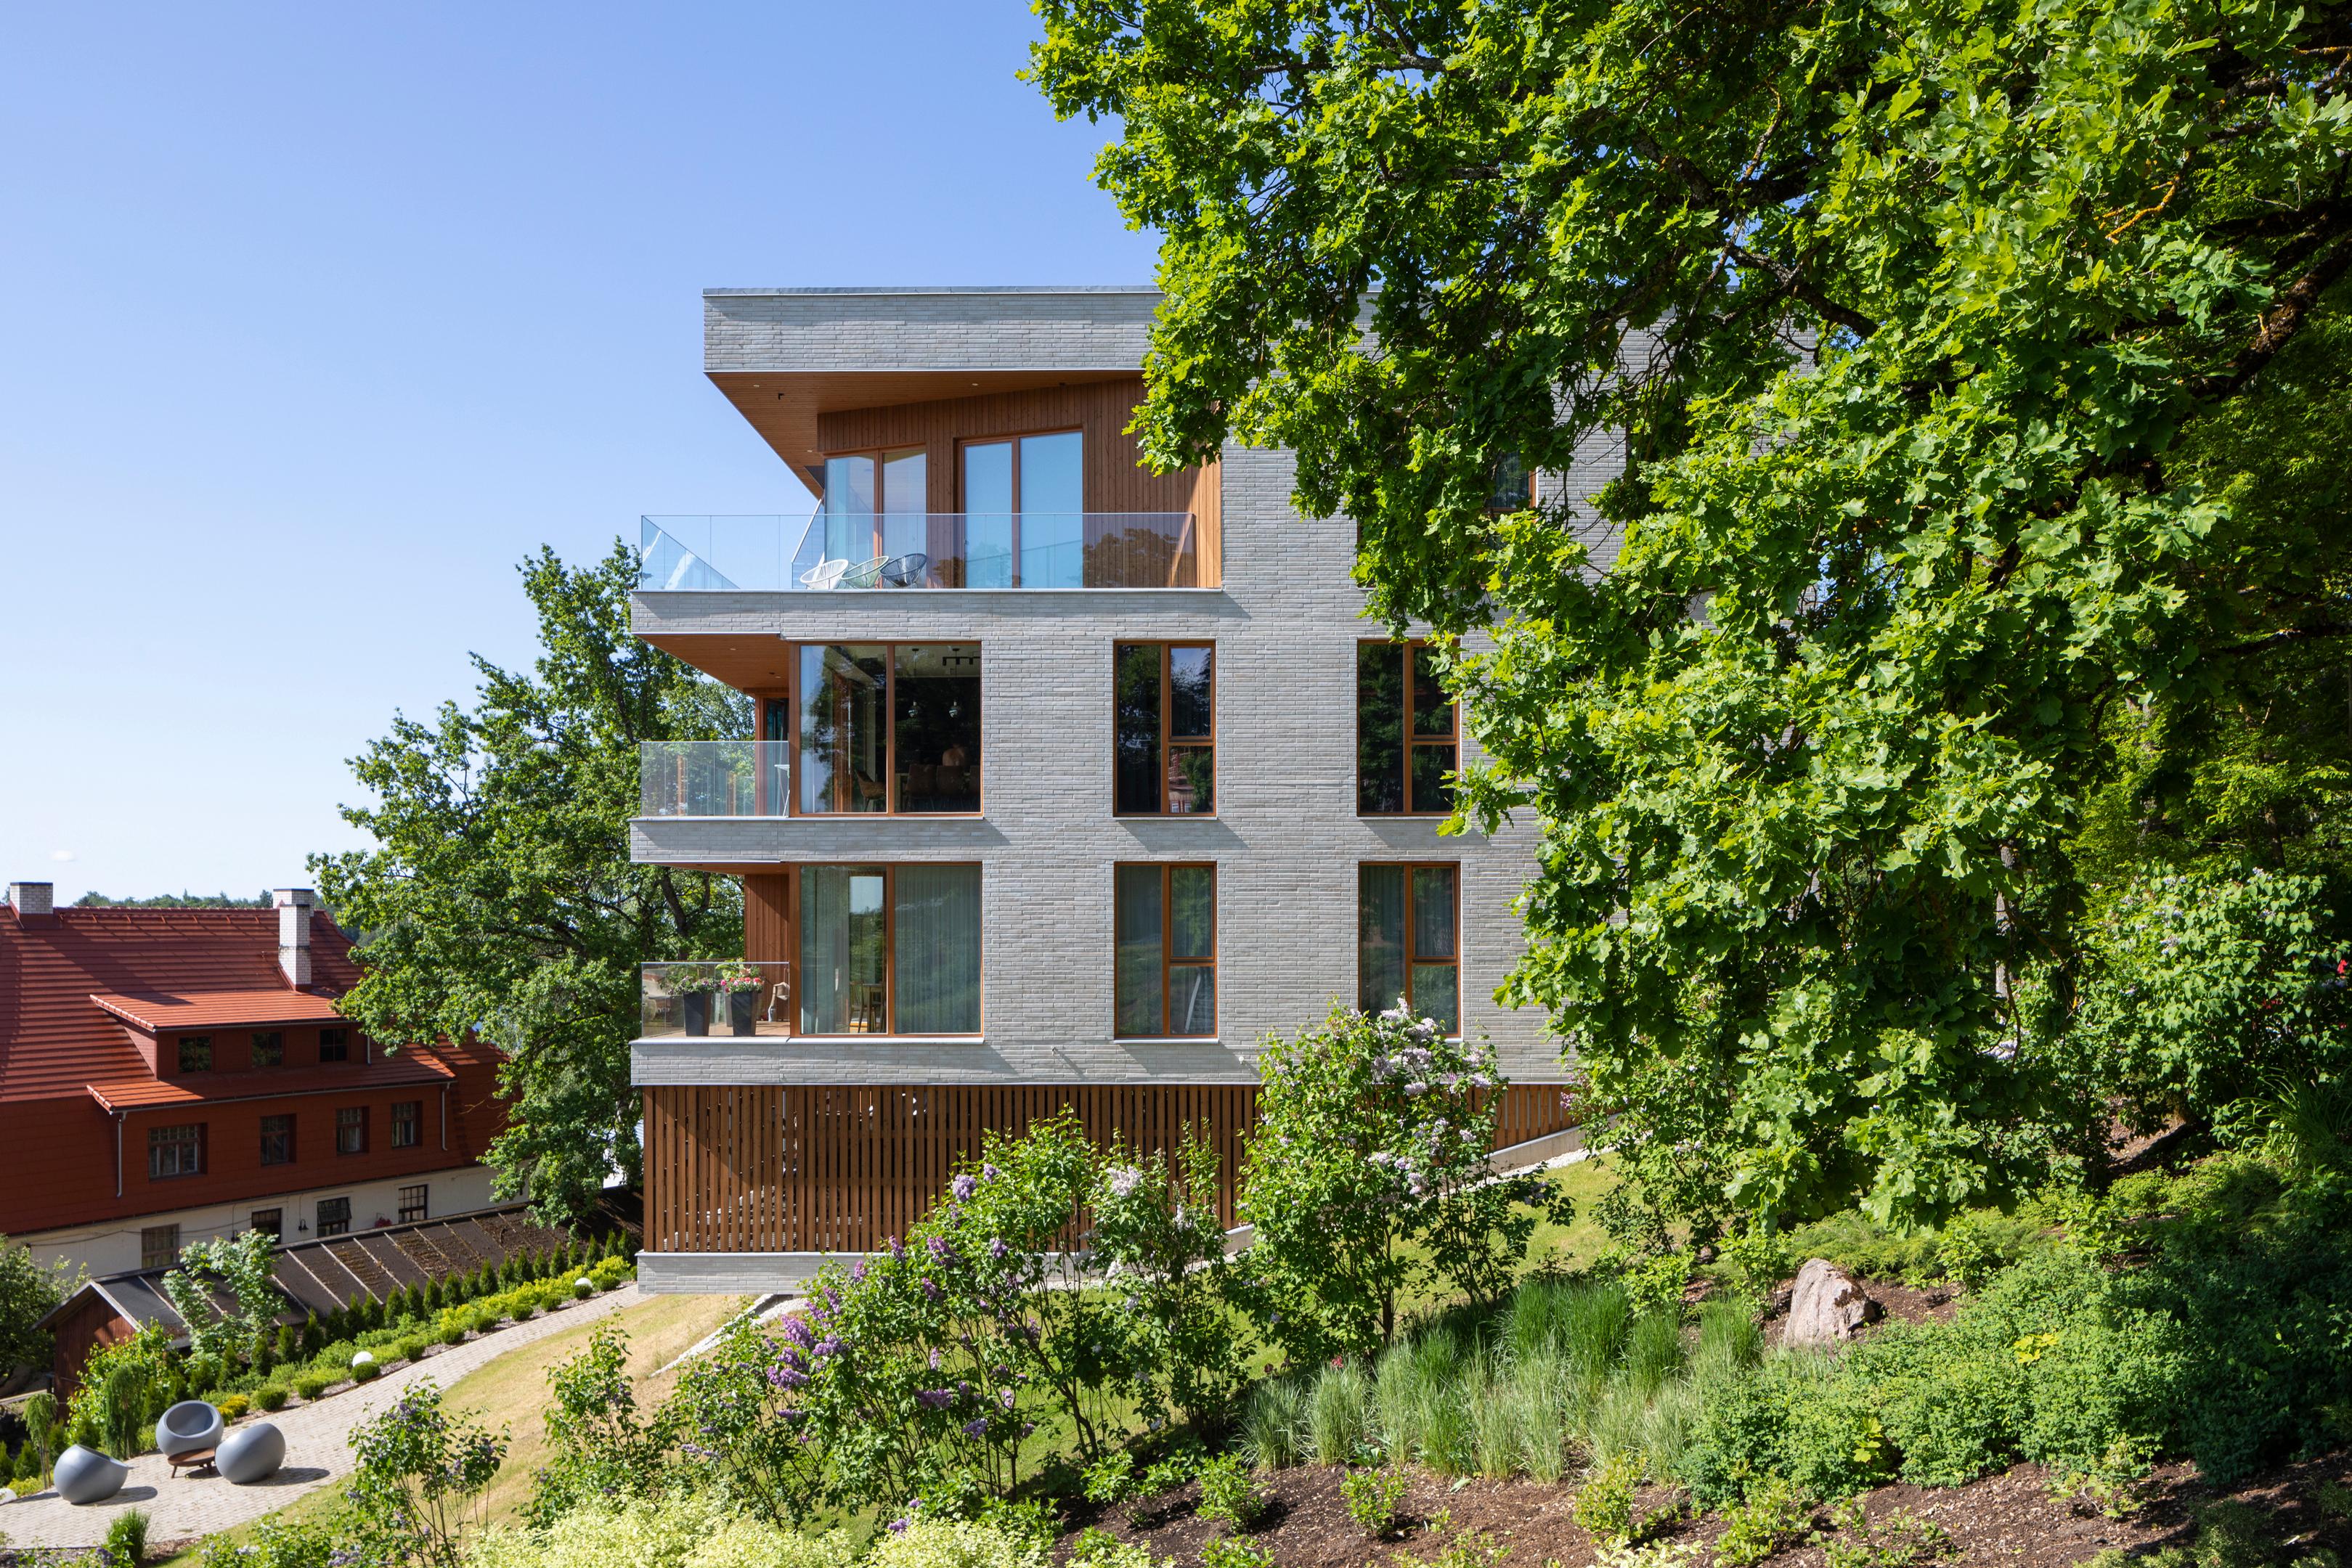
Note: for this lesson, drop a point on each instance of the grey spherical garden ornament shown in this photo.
(86, 1476)
(251, 1454)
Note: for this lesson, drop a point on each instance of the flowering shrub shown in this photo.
(1156, 1230)
(601, 1450)
(1367, 1172)
(731, 1417)
(418, 1485)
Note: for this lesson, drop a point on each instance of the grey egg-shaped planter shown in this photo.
(187, 1427)
(86, 1476)
(251, 1454)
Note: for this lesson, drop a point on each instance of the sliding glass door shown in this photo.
(1024, 512)
(889, 949)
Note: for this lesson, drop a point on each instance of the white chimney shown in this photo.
(33, 897)
(294, 934)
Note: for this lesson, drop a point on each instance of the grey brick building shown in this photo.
(933, 952)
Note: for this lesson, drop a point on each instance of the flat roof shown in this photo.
(880, 291)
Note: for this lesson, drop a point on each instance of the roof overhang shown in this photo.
(783, 405)
(170, 1012)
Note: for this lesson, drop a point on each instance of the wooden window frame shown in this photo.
(792, 740)
(1169, 962)
(423, 1203)
(881, 499)
(415, 1108)
(146, 1234)
(181, 1046)
(343, 1046)
(264, 1139)
(1410, 957)
(1167, 742)
(198, 1142)
(347, 1116)
(277, 1041)
(1528, 476)
(1013, 439)
(277, 1226)
(889, 869)
(340, 1227)
(1408, 738)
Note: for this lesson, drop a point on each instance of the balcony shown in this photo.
(713, 777)
(821, 553)
(729, 998)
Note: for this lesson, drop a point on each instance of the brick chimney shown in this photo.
(294, 934)
(33, 898)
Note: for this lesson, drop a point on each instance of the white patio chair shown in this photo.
(824, 575)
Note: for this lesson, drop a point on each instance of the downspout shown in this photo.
(118, 1151)
(445, 1118)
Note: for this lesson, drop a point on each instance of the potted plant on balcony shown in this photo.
(740, 984)
(693, 985)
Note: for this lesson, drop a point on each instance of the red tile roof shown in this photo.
(147, 1092)
(154, 1012)
(54, 1040)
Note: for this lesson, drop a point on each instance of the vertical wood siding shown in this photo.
(769, 1169)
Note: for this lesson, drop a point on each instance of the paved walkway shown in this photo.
(316, 1452)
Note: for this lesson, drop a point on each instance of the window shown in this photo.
(875, 504)
(350, 1130)
(889, 949)
(1164, 728)
(159, 1246)
(1164, 924)
(885, 727)
(175, 1151)
(1510, 488)
(1405, 734)
(335, 1216)
(271, 1222)
(1024, 512)
(278, 1140)
(412, 1203)
(407, 1122)
(1406, 921)
(269, 1049)
(334, 1045)
(196, 1053)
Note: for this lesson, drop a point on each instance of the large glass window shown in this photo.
(875, 504)
(887, 728)
(1024, 512)
(1165, 933)
(175, 1151)
(1406, 924)
(1406, 735)
(889, 949)
(1164, 716)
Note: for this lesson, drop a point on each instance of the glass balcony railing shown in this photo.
(938, 549)
(713, 777)
(728, 997)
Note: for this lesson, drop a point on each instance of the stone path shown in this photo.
(316, 1452)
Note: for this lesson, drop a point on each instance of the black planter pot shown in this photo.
(743, 1010)
(694, 1008)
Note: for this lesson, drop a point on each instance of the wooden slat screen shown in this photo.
(772, 1169)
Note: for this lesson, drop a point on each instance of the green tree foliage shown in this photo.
(500, 897)
(1367, 1176)
(29, 1292)
(1972, 382)
(417, 1490)
(241, 1265)
(602, 1446)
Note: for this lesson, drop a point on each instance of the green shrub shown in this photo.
(453, 1332)
(270, 1396)
(954, 1543)
(366, 1371)
(1230, 1494)
(413, 1347)
(1604, 1504)
(1775, 1514)
(1373, 1498)
(232, 1406)
(310, 1385)
(483, 1321)
(126, 1537)
(1225, 1551)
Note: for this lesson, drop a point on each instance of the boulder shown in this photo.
(1827, 1307)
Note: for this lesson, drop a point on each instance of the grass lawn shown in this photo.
(511, 1391)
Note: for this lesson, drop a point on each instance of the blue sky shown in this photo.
(314, 320)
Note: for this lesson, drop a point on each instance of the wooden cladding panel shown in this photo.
(1115, 479)
(768, 918)
(772, 1169)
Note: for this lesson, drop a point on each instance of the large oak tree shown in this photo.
(1971, 381)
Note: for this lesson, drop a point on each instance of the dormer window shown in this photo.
(196, 1053)
(268, 1048)
(334, 1045)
